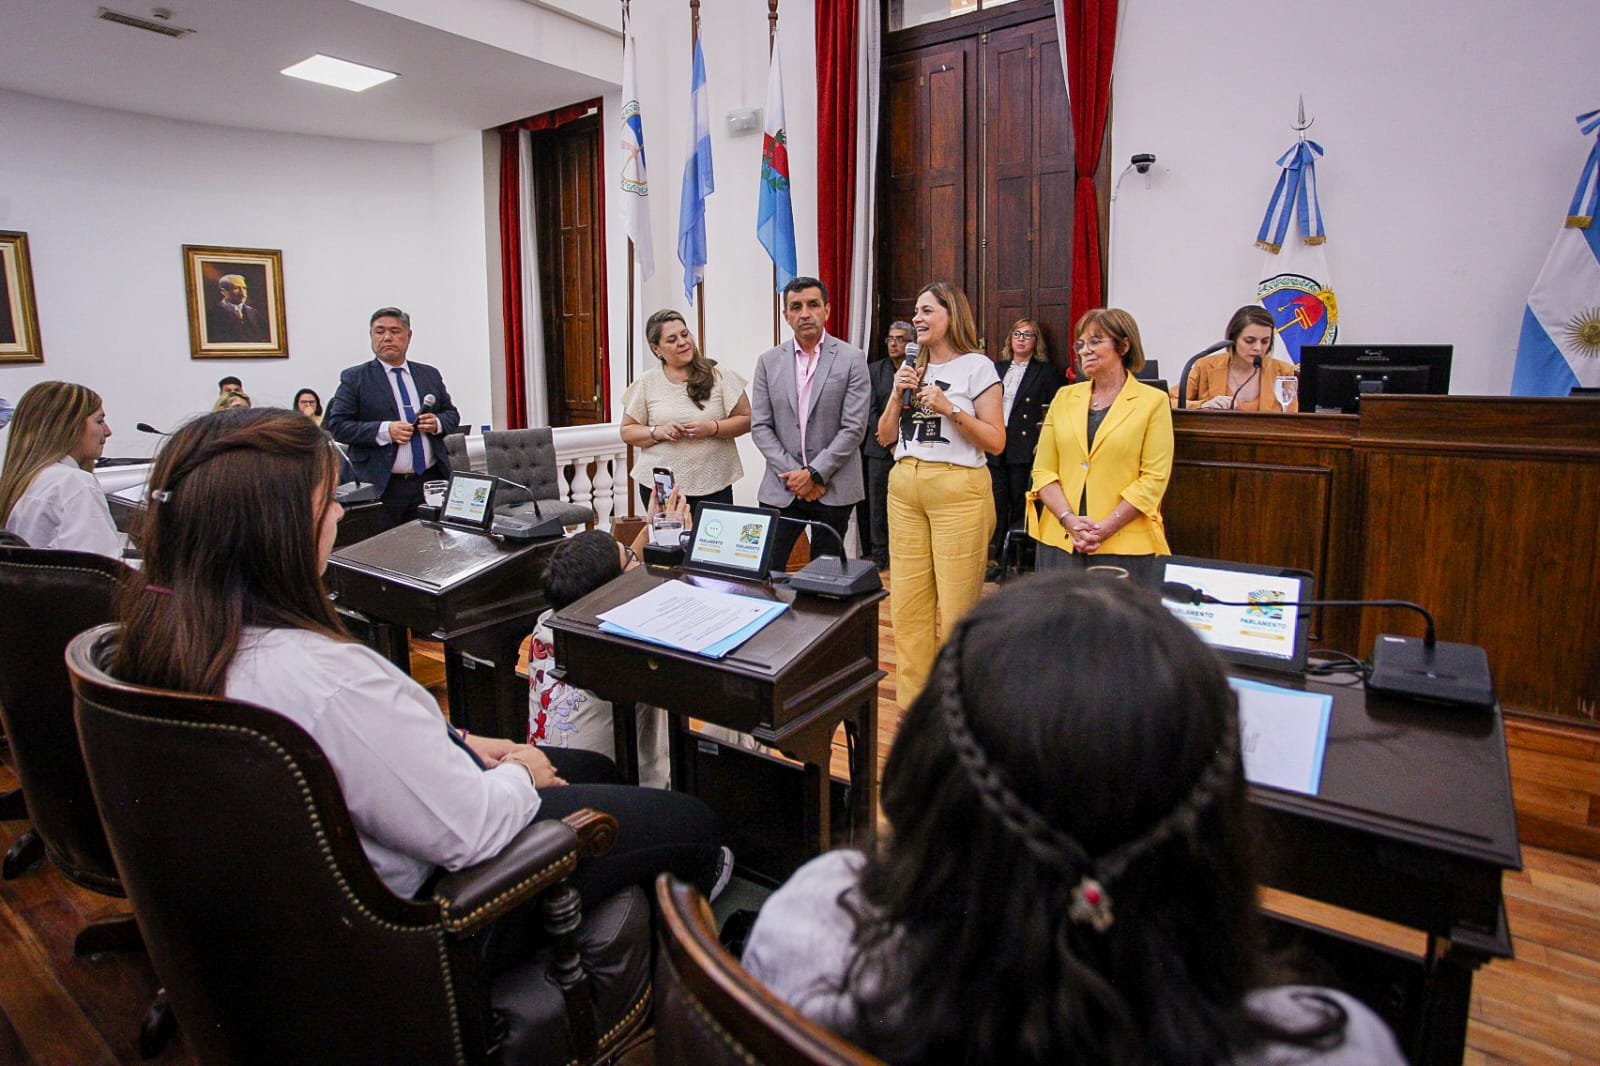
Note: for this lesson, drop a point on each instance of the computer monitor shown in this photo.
(1334, 377)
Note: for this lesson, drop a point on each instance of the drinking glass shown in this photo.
(1285, 388)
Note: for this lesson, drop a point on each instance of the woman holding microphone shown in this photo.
(941, 508)
(1105, 454)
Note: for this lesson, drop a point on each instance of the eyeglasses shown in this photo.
(892, 339)
(632, 559)
(1089, 342)
(1023, 334)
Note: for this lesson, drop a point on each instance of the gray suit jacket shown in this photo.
(835, 427)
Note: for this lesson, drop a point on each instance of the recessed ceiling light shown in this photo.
(339, 73)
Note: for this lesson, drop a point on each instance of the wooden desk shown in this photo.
(478, 595)
(789, 686)
(1413, 824)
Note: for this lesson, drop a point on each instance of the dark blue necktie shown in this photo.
(461, 742)
(419, 461)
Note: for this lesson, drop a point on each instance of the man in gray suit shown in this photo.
(808, 405)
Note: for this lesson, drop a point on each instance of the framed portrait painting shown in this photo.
(19, 313)
(235, 302)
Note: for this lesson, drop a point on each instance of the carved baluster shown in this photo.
(603, 498)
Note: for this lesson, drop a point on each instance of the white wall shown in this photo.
(738, 279)
(1451, 158)
(108, 199)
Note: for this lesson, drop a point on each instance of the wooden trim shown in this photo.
(973, 25)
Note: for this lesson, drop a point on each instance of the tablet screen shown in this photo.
(732, 540)
(1264, 633)
(469, 501)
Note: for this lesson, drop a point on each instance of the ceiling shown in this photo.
(226, 72)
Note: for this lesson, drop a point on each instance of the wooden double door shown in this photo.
(977, 180)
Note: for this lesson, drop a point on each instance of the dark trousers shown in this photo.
(657, 831)
(1010, 481)
(402, 498)
(875, 529)
(835, 516)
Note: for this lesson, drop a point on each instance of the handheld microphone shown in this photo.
(851, 577)
(430, 400)
(1183, 378)
(1443, 672)
(913, 350)
(1235, 398)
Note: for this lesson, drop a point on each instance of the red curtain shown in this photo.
(511, 249)
(1091, 32)
(836, 159)
(511, 276)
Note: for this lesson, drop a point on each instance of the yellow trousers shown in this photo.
(941, 517)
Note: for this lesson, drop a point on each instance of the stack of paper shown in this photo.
(689, 618)
(1283, 733)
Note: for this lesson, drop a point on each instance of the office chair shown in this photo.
(278, 941)
(711, 1012)
(528, 457)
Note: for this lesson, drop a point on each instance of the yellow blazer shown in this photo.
(1131, 460)
(1210, 378)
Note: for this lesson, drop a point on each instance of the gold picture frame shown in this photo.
(19, 311)
(235, 300)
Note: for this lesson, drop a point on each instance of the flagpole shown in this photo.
(699, 286)
(631, 342)
(777, 299)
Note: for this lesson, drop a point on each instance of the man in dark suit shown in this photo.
(393, 415)
(1029, 381)
(231, 319)
(808, 414)
(878, 459)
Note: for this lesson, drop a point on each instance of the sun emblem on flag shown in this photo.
(1583, 332)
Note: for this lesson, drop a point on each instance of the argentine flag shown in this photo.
(635, 182)
(1560, 345)
(697, 182)
(1295, 287)
(775, 209)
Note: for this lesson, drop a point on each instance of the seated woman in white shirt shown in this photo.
(230, 602)
(48, 493)
(1068, 878)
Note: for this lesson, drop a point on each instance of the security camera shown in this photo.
(1142, 162)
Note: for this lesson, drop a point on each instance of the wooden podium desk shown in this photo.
(789, 686)
(1413, 823)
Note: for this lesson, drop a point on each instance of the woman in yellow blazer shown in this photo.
(1241, 377)
(1104, 457)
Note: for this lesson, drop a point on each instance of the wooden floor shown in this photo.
(1541, 1007)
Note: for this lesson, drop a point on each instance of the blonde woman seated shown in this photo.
(48, 493)
(1241, 377)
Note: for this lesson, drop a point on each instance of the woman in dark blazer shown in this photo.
(1029, 381)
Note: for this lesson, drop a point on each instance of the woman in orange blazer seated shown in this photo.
(1242, 376)
(1104, 457)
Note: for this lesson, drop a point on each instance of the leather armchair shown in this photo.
(276, 939)
(711, 1012)
(528, 457)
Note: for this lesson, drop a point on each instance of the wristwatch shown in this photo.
(816, 476)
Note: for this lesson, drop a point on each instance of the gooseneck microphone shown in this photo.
(1178, 592)
(1183, 378)
(145, 427)
(1432, 670)
(1235, 398)
(852, 577)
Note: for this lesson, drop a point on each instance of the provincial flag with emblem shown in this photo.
(775, 210)
(1295, 287)
(698, 182)
(635, 183)
(1560, 345)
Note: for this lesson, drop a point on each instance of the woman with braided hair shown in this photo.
(1068, 879)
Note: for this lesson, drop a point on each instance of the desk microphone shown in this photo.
(1234, 400)
(519, 527)
(1427, 669)
(851, 577)
(1183, 378)
(145, 427)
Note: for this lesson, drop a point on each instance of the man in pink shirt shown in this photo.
(808, 402)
